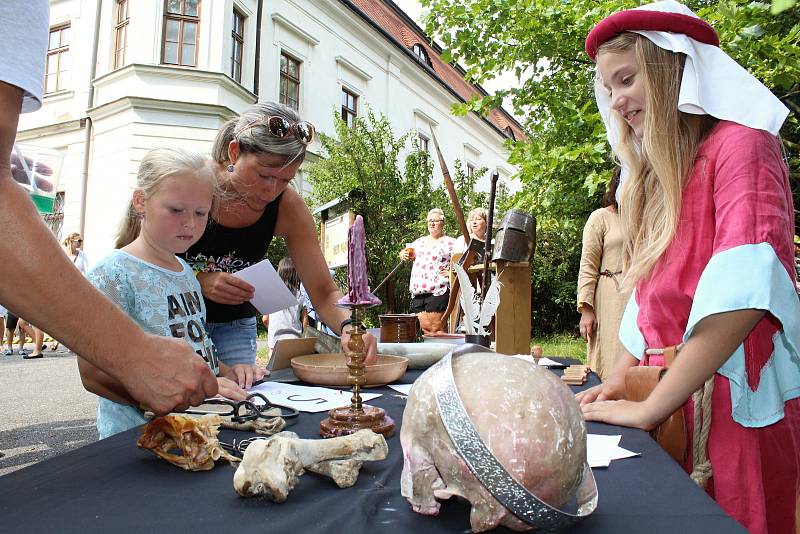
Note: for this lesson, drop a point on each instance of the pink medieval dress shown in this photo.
(733, 250)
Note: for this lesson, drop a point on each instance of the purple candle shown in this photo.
(358, 288)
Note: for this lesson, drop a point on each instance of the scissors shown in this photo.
(245, 410)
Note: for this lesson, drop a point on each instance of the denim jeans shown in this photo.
(235, 341)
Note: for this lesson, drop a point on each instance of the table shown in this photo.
(112, 486)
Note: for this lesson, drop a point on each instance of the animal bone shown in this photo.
(272, 467)
(195, 438)
(343, 472)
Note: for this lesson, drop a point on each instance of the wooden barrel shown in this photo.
(398, 328)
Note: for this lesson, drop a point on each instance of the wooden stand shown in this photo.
(512, 321)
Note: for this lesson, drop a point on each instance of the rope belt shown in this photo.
(701, 465)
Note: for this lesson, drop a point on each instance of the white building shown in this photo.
(170, 72)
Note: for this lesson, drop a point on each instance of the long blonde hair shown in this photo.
(658, 164)
(156, 166)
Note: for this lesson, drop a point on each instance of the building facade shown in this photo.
(170, 72)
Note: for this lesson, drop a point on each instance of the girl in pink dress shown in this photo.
(708, 222)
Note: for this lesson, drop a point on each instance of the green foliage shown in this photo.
(779, 6)
(393, 200)
(565, 164)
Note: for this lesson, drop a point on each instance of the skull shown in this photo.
(524, 414)
(195, 439)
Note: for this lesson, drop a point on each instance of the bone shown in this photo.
(272, 467)
(343, 472)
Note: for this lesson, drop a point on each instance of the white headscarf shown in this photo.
(712, 84)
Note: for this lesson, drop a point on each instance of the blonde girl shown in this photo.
(707, 217)
(167, 213)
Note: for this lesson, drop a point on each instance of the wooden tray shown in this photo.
(331, 370)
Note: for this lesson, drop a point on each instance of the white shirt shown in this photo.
(23, 47)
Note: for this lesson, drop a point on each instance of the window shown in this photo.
(181, 20)
(470, 170)
(58, 59)
(421, 54)
(423, 144)
(237, 45)
(120, 32)
(290, 82)
(349, 107)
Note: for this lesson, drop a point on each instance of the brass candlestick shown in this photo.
(357, 416)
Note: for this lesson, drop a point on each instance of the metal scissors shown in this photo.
(245, 410)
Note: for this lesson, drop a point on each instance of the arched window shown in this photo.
(421, 54)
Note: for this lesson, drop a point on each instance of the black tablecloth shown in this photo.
(112, 486)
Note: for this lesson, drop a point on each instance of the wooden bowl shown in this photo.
(331, 370)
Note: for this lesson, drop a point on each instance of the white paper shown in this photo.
(544, 362)
(307, 398)
(402, 388)
(271, 293)
(601, 450)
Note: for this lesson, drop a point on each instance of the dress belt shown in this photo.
(613, 275)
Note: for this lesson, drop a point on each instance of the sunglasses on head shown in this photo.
(281, 127)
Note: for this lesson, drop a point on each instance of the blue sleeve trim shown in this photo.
(752, 277)
(629, 333)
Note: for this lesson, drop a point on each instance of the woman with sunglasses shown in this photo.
(256, 156)
(73, 245)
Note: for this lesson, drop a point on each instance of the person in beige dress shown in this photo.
(600, 302)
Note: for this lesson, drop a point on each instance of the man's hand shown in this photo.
(225, 288)
(165, 374)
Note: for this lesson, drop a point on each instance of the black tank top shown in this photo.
(230, 250)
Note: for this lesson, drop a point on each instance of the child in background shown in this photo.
(707, 219)
(288, 323)
(167, 214)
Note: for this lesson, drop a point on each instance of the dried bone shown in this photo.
(265, 427)
(195, 438)
(271, 468)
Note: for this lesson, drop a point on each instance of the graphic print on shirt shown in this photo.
(228, 263)
(185, 315)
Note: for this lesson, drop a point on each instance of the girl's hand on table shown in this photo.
(246, 375)
(230, 389)
(609, 390)
(622, 413)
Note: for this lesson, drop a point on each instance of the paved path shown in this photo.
(45, 410)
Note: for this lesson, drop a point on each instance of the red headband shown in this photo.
(645, 20)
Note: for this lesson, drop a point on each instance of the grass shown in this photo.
(562, 345)
(555, 345)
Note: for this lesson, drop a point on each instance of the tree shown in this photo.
(363, 158)
(565, 163)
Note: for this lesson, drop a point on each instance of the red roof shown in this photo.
(384, 14)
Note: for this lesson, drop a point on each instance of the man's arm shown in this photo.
(41, 285)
